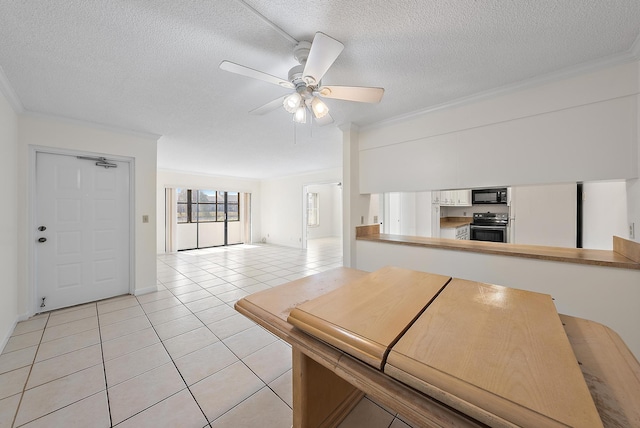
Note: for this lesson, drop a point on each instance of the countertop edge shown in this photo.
(579, 256)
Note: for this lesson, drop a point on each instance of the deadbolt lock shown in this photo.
(42, 228)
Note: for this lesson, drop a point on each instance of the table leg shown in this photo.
(320, 397)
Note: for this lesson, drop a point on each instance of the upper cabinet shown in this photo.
(463, 198)
(452, 198)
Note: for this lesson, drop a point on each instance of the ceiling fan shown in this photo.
(305, 79)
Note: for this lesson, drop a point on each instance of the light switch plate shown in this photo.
(145, 218)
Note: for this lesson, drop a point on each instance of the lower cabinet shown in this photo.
(461, 232)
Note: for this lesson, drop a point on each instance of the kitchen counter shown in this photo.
(626, 254)
(453, 222)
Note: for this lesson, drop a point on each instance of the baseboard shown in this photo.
(146, 290)
(8, 334)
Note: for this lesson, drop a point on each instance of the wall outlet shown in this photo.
(375, 218)
(632, 231)
(361, 219)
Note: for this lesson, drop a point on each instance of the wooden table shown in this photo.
(328, 382)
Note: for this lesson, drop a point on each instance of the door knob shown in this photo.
(42, 228)
(42, 240)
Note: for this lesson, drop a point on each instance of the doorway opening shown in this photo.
(322, 214)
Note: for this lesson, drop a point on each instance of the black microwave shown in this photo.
(489, 196)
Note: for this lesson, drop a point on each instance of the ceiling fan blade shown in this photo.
(352, 93)
(324, 51)
(268, 107)
(324, 120)
(255, 74)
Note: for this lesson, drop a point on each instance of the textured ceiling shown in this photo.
(152, 66)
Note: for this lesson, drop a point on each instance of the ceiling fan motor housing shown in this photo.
(301, 52)
(295, 77)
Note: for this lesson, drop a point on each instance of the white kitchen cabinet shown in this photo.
(453, 198)
(463, 198)
(448, 232)
(460, 232)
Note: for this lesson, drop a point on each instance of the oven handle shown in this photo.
(475, 226)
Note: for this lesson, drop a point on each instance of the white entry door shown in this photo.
(82, 230)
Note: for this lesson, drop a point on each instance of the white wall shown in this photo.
(579, 129)
(281, 206)
(583, 128)
(174, 179)
(604, 208)
(606, 295)
(8, 220)
(70, 135)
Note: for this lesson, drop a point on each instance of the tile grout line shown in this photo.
(174, 362)
(228, 263)
(24, 387)
(104, 367)
(234, 354)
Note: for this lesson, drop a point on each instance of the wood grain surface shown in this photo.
(559, 254)
(501, 349)
(270, 309)
(367, 316)
(610, 370)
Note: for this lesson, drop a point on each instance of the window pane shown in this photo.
(232, 197)
(313, 216)
(221, 211)
(181, 195)
(207, 196)
(232, 212)
(182, 213)
(206, 212)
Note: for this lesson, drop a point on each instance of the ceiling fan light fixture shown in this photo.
(319, 108)
(300, 115)
(292, 102)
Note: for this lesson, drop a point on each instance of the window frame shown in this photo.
(313, 209)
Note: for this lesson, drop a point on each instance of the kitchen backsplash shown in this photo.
(468, 211)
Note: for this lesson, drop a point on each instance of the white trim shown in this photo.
(305, 213)
(5, 339)
(146, 290)
(10, 93)
(33, 151)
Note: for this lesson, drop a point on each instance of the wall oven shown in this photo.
(491, 227)
(489, 196)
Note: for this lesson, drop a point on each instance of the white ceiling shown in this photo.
(152, 66)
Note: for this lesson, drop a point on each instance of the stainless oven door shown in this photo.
(488, 233)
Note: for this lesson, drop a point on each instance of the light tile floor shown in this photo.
(179, 357)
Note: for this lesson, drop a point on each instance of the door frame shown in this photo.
(32, 202)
